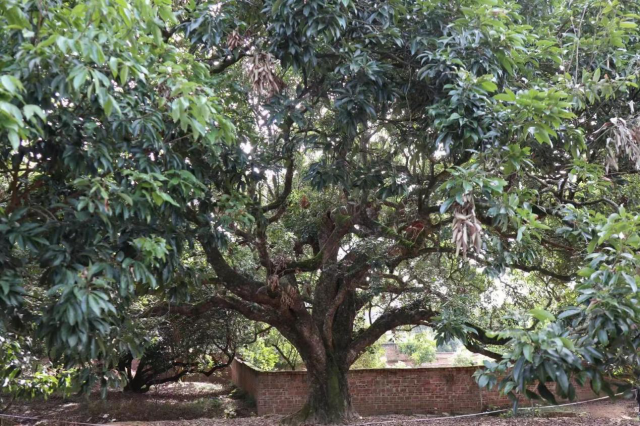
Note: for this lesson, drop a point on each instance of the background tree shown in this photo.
(419, 347)
(403, 163)
(373, 357)
(464, 358)
(24, 375)
(178, 346)
(271, 351)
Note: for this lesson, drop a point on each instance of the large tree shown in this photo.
(391, 164)
(392, 140)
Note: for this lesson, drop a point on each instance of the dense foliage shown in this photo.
(97, 116)
(24, 376)
(335, 169)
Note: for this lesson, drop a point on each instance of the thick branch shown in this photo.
(471, 346)
(226, 63)
(449, 250)
(240, 285)
(414, 313)
(479, 337)
(288, 185)
(251, 311)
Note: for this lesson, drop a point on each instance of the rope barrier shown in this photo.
(485, 413)
(49, 420)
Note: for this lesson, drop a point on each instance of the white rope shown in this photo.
(45, 419)
(485, 413)
(426, 419)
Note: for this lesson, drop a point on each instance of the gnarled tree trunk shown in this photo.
(329, 401)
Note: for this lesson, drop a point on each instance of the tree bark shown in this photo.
(329, 401)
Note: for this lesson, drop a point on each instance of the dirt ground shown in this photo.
(176, 401)
(209, 404)
(618, 412)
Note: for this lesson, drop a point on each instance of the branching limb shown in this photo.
(414, 313)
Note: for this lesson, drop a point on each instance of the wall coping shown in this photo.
(359, 370)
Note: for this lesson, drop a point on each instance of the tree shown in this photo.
(401, 160)
(271, 351)
(94, 105)
(178, 346)
(419, 347)
(261, 355)
(373, 357)
(463, 358)
(24, 376)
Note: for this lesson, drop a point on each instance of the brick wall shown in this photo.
(222, 376)
(379, 391)
(245, 377)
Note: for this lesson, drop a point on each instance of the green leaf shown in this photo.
(95, 304)
(508, 387)
(541, 135)
(108, 106)
(631, 281)
(586, 272)
(276, 6)
(528, 352)
(489, 86)
(157, 198)
(517, 371)
(546, 393)
(166, 197)
(167, 15)
(445, 206)
(542, 315)
(30, 110)
(563, 380)
(508, 96)
(483, 381)
(569, 313)
(14, 139)
(567, 343)
(113, 66)
(11, 84)
(124, 74)
(596, 383)
(603, 338)
(80, 78)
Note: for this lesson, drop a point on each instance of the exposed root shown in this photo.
(307, 416)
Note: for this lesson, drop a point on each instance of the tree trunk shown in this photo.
(329, 401)
(137, 384)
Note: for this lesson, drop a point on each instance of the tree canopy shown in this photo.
(335, 169)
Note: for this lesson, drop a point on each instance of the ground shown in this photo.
(213, 404)
(169, 402)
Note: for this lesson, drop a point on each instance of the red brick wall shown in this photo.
(379, 391)
(245, 377)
